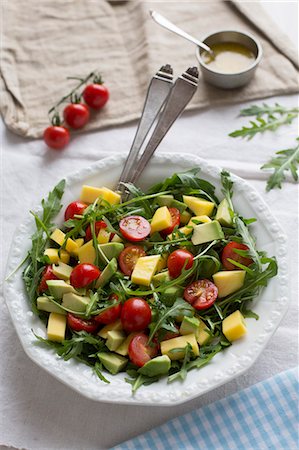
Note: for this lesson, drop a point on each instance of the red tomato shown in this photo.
(76, 115)
(56, 137)
(99, 225)
(228, 252)
(139, 350)
(111, 314)
(83, 274)
(134, 228)
(175, 221)
(128, 258)
(136, 314)
(46, 275)
(176, 261)
(73, 209)
(78, 324)
(96, 95)
(201, 294)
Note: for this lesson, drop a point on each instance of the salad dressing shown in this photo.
(230, 57)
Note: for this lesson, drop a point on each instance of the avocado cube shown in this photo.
(165, 200)
(114, 339)
(233, 326)
(145, 269)
(107, 273)
(169, 296)
(207, 232)
(123, 349)
(175, 347)
(228, 281)
(75, 302)
(203, 336)
(185, 217)
(62, 271)
(160, 278)
(112, 362)
(111, 250)
(44, 304)
(189, 325)
(103, 333)
(156, 366)
(161, 219)
(56, 327)
(58, 288)
(199, 206)
(223, 214)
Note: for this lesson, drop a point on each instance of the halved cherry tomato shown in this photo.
(78, 324)
(46, 275)
(228, 252)
(73, 209)
(201, 294)
(84, 274)
(175, 222)
(76, 115)
(56, 137)
(96, 95)
(139, 350)
(111, 314)
(134, 228)
(136, 314)
(128, 258)
(176, 261)
(99, 225)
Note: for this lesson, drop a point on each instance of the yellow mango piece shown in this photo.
(110, 196)
(179, 343)
(79, 242)
(202, 336)
(233, 326)
(56, 327)
(103, 236)
(87, 253)
(199, 206)
(58, 236)
(161, 219)
(162, 263)
(228, 281)
(53, 255)
(145, 269)
(202, 219)
(89, 194)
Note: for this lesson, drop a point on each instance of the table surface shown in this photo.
(37, 411)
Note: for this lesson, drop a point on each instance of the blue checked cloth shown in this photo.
(263, 416)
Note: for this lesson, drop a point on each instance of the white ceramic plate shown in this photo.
(235, 360)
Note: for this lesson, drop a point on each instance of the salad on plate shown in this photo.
(153, 286)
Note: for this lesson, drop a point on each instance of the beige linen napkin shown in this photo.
(45, 41)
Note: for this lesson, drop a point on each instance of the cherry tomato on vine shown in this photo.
(140, 351)
(111, 314)
(136, 314)
(56, 137)
(96, 95)
(228, 253)
(76, 115)
(73, 209)
(176, 261)
(46, 275)
(134, 228)
(128, 258)
(175, 222)
(99, 225)
(78, 324)
(201, 294)
(84, 274)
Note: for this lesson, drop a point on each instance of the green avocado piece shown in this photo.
(207, 232)
(156, 366)
(107, 273)
(62, 271)
(223, 215)
(75, 302)
(169, 296)
(203, 336)
(112, 362)
(165, 200)
(160, 278)
(114, 339)
(111, 250)
(44, 304)
(189, 325)
(58, 288)
(178, 205)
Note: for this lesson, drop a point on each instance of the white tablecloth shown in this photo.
(37, 412)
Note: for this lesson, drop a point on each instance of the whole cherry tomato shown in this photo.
(229, 253)
(99, 225)
(46, 275)
(96, 95)
(175, 222)
(84, 274)
(140, 351)
(56, 137)
(176, 261)
(111, 314)
(201, 294)
(134, 228)
(78, 324)
(73, 209)
(136, 314)
(76, 115)
(128, 258)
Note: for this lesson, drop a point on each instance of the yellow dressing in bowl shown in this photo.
(229, 57)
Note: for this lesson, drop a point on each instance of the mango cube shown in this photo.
(58, 236)
(55, 255)
(199, 206)
(87, 253)
(110, 196)
(175, 348)
(161, 219)
(145, 269)
(233, 326)
(162, 263)
(103, 236)
(89, 194)
(56, 327)
(202, 219)
(228, 281)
